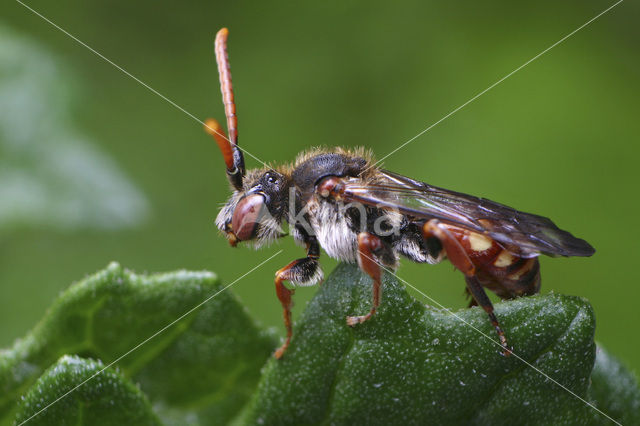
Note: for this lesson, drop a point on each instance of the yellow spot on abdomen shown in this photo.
(479, 242)
(505, 259)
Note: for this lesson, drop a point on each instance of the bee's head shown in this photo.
(255, 212)
(256, 209)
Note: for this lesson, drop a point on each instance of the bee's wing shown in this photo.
(524, 234)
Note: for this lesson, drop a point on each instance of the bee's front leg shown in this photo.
(302, 272)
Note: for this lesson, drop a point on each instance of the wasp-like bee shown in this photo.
(339, 200)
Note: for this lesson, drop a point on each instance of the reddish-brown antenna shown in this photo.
(233, 157)
(226, 87)
(212, 127)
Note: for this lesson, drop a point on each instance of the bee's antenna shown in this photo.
(233, 157)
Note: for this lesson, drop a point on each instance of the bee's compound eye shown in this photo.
(246, 216)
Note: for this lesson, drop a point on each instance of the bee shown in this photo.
(341, 201)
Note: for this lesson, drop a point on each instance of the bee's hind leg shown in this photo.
(371, 250)
(472, 300)
(459, 258)
(481, 298)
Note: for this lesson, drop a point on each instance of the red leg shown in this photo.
(368, 245)
(455, 252)
(459, 258)
(284, 295)
(305, 271)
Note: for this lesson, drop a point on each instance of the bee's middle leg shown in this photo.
(459, 258)
(371, 250)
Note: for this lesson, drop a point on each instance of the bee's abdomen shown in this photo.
(497, 268)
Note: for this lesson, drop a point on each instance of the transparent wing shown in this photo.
(523, 234)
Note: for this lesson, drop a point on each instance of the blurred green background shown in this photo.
(94, 167)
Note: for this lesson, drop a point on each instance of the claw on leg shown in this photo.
(280, 351)
(353, 321)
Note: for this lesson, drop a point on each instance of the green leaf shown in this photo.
(52, 175)
(107, 399)
(411, 364)
(201, 369)
(615, 388)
